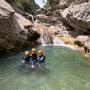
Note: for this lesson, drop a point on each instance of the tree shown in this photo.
(46, 6)
(28, 6)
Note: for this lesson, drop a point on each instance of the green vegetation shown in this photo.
(28, 6)
(78, 43)
(46, 6)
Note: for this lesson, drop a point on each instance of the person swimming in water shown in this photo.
(40, 57)
(26, 56)
(33, 58)
(29, 59)
(34, 54)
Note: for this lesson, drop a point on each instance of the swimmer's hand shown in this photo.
(23, 61)
(32, 66)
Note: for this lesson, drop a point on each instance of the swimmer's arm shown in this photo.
(41, 59)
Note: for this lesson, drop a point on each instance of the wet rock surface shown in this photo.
(13, 35)
(66, 19)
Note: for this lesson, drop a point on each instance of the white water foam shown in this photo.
(68, 46)
(58, 42)
(42, 38)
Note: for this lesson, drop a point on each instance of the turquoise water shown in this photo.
(65, 69)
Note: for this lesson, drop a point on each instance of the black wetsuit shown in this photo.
(29, 59)
(34, 57)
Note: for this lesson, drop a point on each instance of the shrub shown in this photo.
(78, 43)
(86, 49)
(28, 6)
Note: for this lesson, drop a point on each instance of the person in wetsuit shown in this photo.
(40, 57)
(34, 55)
(28, 59)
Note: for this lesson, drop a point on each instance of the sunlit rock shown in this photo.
(67, 39)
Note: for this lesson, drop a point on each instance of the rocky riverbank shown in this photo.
(67, 20)
(75, 15)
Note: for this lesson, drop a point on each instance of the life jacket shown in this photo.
(41, 59)
(34, 56)
(29, 59)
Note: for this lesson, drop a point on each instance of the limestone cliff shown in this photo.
(76, 15)
(13, 34)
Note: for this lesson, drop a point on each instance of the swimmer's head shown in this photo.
(27, 53)
(40, 52)
(33, 50)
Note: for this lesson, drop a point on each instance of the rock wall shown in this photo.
(13, 35)
(75, 14)
(78, 17)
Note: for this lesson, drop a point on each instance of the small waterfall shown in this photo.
(42, 38)
(48, 38)
(57, 41)
(32, 18)
(45, 37)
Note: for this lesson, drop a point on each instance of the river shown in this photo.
(65, 69)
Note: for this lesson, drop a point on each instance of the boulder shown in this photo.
(13, 35)
(75, 13)
(85, 39)
(65, 3)
(82, 38)
(78, 17)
